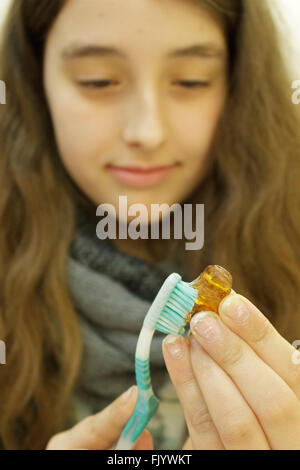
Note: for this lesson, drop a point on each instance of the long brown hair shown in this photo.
(250, 192)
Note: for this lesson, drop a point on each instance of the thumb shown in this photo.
(101, 430)
(144, 442)
(115, 416)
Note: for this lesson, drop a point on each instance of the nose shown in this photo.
(143, 123)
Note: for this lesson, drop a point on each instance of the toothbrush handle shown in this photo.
(143, 412)
(147, 402)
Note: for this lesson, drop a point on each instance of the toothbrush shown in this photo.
(169, 314)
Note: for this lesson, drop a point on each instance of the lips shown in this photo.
(139, 176)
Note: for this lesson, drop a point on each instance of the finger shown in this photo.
(246, 320)
(200, 425)
(101, 430)
(235, 421)
(144, 442)
(188, 444)
(271, 399)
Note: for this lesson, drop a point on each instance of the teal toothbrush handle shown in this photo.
(144, 411)
(146, 407)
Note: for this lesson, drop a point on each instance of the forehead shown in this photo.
(139, 26)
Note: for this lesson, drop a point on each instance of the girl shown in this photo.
(95, 89)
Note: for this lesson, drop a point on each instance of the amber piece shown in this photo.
(213, 284)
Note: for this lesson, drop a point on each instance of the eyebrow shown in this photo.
(205, 50)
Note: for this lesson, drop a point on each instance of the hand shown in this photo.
(239, 387)
(188, 444)
(102, 430)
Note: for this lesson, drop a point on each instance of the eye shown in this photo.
(192, 84)
(97, 83)
(106, 83)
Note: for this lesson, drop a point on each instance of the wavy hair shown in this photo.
(250, 192)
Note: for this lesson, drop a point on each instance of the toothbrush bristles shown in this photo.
(180, 302)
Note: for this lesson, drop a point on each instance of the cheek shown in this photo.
(196, 126)
(84, 131)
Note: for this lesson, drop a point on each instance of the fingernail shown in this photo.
(206, 326)
(236, 308)
(173, 345)
(127, 395)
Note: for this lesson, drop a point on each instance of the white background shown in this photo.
(3, 6)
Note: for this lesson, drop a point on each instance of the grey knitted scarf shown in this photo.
(112, 292)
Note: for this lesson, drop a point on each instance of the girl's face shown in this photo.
(116, 76)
